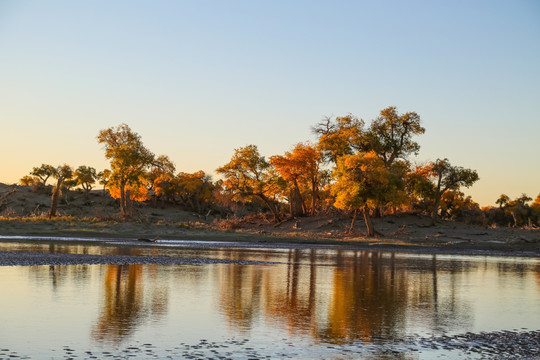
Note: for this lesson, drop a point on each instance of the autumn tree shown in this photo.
(360, 181)
(103, 178)
(161, 177)
(248, 175)
(339, 137)
(195, 190)
(447, 177)
(390, 135)
(29, 180)
(85, 177)
(43, 172)
(61, 174)
(129, 159)
(301, 166)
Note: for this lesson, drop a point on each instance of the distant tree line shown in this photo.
(354, 167)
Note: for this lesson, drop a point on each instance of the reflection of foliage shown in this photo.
(365, 294)
(125, 304)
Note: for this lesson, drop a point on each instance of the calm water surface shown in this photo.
(312, 304)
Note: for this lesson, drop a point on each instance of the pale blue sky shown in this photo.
(197, 79)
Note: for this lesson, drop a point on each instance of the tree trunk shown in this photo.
(54, 198)
(122, 201)
(435, 209)
(271, 207)
(369, 224)
(300, 205)
(292, 208)
(313, 196)
(127, 205)
(351, 228)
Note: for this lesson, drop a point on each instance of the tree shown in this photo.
(103, 178)
(299, 167)
(447, 177)
(195, 190)
(161, 178)
(85, 177)
(61, 173)
(519, 209)
(340, 137)
(535, 206)
(390, 135)
(129, 162)
(248, 175)
(43, 172)
(502, 201)
(29, 180)
(360, 181)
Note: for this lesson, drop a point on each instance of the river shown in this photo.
(282, 303)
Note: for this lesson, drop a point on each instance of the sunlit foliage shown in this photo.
(248, 174)
(446, 177)
(340, 137)
(360, 181)
(300, 168)
(130, 160)
(85, 177)
(390, 135)
(195, 190)
(43, 172)
(29, 180)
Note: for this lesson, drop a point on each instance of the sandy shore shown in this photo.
(403, 234)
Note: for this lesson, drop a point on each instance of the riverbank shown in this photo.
(402, 233)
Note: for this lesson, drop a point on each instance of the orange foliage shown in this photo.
(139, 193)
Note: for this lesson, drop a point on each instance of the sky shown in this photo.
(197, 79)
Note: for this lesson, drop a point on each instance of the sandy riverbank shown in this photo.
(402, 233)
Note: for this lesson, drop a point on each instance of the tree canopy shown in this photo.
(129, 160)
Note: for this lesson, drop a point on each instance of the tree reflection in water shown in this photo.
(126, 305)
(362, 295)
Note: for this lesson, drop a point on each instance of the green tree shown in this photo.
(248, 174)
(130, 160)
(61, 174)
